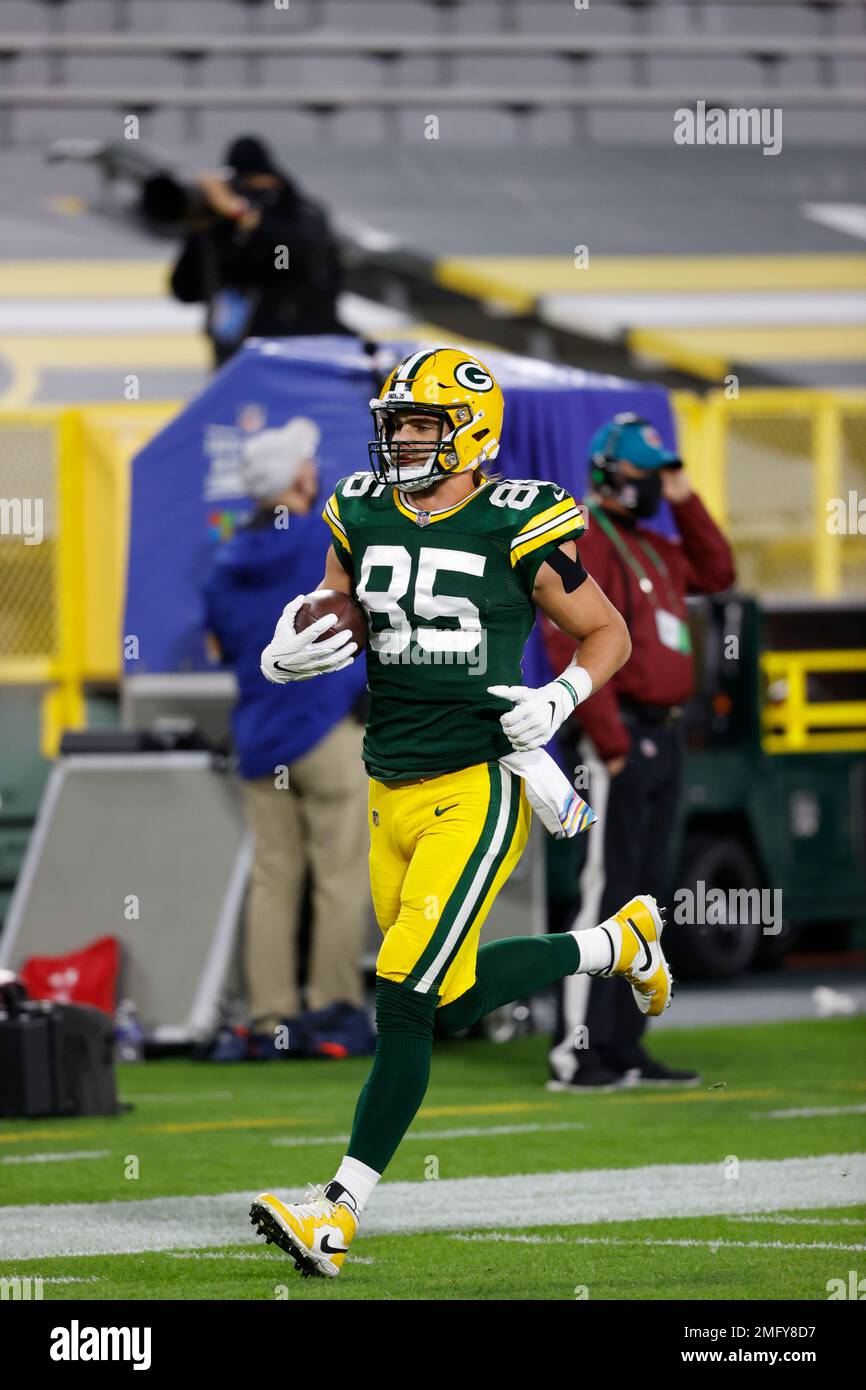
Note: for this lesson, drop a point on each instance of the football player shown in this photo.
(449, 565)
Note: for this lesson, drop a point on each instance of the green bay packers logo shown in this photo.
(473, 376)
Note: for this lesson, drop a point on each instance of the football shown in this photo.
(350, 615)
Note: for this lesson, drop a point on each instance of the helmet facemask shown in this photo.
(414, 465)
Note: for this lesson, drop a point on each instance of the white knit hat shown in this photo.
(272, 458)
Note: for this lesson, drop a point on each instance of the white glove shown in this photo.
(297, 656)
(538, 713)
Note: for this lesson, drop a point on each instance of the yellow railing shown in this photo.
(41, 580)
(777, 469)
(61, 599)
(792, 723)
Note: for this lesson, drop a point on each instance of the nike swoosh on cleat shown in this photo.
(648, 958)
(328, 1249)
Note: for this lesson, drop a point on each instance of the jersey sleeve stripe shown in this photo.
(563, 528)
(548, 515)
(331, 515)
(572, 515)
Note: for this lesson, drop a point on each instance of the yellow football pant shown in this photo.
(440, 850)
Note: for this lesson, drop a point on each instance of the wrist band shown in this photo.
(578, 681)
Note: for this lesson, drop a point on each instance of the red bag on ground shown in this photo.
(88, 976)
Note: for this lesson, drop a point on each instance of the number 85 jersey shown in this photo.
(447, 595)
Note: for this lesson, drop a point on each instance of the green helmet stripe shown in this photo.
(414, 365)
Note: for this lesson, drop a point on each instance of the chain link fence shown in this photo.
(784, 472)
(29, 547)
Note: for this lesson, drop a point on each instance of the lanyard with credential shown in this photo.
(643, 579)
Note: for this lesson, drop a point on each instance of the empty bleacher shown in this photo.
(555, 129)
(360, 72)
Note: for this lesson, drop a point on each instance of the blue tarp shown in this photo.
(185, 488)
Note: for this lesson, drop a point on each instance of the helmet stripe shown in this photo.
(408, 370)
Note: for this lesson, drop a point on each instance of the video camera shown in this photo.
(164, 201)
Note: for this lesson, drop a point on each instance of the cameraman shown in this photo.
(234, 265)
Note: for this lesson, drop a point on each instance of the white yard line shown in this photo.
(74, 1156)
(713, 1245)
(578, 1198)
(162, 1096)
(777, 1220)
(222, 1255)
(72, 1278)
(812, 1112)
(244, 1255)
(300, 1141)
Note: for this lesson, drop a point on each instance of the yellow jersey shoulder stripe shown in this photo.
(548, 515)
(569, 526)
(331, 514)
(572, 513)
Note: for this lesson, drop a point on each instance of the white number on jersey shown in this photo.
(396, 637)
(516, 494)
(358, 484)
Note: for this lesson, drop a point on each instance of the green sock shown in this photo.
(398, 1080)
(508, 970)
(397, 1083)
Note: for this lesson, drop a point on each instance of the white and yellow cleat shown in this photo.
(635, 932)
(316, 1233)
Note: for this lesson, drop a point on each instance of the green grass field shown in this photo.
(500, 1190)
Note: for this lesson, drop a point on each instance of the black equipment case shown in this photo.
(55, 1059)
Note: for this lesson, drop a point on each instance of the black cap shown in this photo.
(249, 155)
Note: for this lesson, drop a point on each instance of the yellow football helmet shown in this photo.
(459, 389)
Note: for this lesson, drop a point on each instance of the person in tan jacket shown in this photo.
(299, 758)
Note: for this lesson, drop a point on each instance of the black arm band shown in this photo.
(571, 572)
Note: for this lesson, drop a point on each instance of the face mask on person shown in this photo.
(257, 197)
(641, 495)
(264, 197)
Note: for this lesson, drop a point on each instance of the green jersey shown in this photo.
(448, 597)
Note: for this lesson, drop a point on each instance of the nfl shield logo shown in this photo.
(375, 817)
(422, 518)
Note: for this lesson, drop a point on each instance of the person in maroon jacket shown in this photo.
(630, 740)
